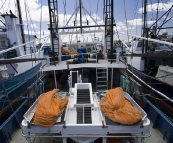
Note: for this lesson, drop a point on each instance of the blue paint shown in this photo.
(81, 51)
(160, 121)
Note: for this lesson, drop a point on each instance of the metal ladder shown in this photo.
(109, 20)
(101, 79)
(53, 14)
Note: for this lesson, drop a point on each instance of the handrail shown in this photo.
(89, 136)
(149, 39)
(42, 46)
(100, 111)
(160, 93)
(15, 47)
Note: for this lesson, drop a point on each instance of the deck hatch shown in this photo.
(83, 96)
(84, 115)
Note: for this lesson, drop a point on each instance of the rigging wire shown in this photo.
(135, 12)
(90, 6)
(96, 16)
(28, 27)
(167, 9)
(15, 3)
(2, 5)
(9, 5)
(64, 3)
(126, 19)
(40, 21)
(76, 24)
(33, 28)
(89, 28)
(152, 9)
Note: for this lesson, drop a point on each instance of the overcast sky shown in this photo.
(132, 9)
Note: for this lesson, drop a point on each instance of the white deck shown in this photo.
(156, 137)
(98, 127)
(62, 65)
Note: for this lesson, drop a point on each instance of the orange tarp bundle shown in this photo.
(50, 107)
(73, 52)
(118, 109)
(64, 51)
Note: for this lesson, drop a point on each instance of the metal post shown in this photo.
(48, 61)
(21, 24)
(112, 28)
(51, 30)
(64, 139)
(104, 140)
(55, 79)
(28, 138)
(80, 4)
(112, 76)
(117, 58)
(157, 17)
(142, 139)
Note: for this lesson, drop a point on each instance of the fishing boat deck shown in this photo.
(98, 127)
(62, 65)
(156, 137)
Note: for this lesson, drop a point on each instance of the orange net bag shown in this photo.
(73, 52)
(50, 107)
(118, 109)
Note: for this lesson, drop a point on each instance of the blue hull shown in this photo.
(14, 107)
(12, 123)
(160, 121)
(15, 86)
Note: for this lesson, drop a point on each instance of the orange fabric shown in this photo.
(118, 109)
(73, 52)
(102, 47)
(64, 51)
(50, 107)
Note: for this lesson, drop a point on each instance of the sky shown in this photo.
(127, 16)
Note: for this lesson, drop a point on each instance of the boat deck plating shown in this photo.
(68, 127)
(62, 65)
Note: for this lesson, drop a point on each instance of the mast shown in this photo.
(145, 30)
(21, 24)
(157, 17)
(80, 5)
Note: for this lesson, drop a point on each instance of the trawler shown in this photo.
(84, 76)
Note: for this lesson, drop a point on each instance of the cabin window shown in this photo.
(3, 44)
(140, 44)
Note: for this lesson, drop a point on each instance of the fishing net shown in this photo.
(50, 107)
(73, 52)
(115, 107)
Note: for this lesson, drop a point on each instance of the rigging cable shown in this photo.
(9, 5)
(96, 18)
(2, 5)
(167, 9)
(152, 9)
(31, 19)
(135, 11)
(76, 24)
(40, 23)
(89, 29)
(28, 30)
(15, 3)
(126, 19)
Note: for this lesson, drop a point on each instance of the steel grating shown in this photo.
(83, 96)
(84, 115)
